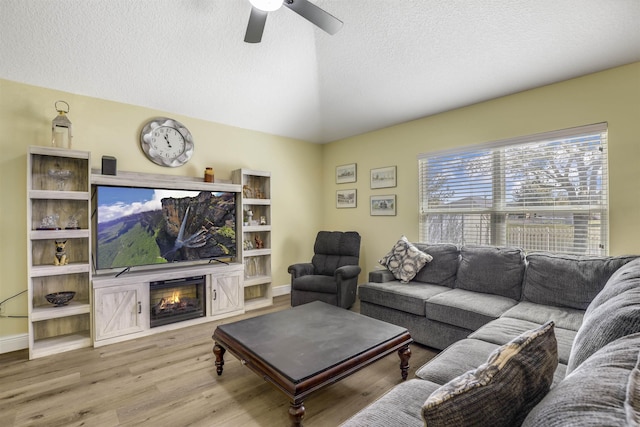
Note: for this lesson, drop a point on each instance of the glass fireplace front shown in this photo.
(176, 300)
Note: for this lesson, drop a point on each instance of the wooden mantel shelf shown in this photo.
(137, 179)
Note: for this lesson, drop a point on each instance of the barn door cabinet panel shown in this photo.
(120, 310)
(227, 293)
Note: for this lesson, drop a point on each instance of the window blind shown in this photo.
(539, 192)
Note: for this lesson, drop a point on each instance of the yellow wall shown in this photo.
(303, 174)
(110, 128)
(611, 96)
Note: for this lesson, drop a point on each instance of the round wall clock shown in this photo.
(166, 142)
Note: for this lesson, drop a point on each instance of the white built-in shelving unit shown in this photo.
(58, 209)
(255, 228)
(109, 308)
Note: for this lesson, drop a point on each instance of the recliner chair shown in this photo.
(332, 274)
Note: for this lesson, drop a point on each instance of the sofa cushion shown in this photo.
(466, 309)
(455, 360)
(615, 318)
(409, 298)
(491, 269)
(567, 280)
(399, 407)
(315, 283)
(442, 269)
(465, 355)
(632, 397)
(594, 394)
(405, 260)
(613, 313)
(504, 329)
(563, 317)
(502, 391)
(625, 278)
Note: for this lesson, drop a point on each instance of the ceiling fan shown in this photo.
(260, 9)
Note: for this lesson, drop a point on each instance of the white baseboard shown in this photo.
(11, 343)
(281, 290)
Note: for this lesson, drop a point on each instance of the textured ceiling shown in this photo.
(393, 61)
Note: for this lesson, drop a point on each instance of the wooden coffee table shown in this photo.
(305, 348)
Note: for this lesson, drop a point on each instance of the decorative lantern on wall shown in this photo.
(61, 127)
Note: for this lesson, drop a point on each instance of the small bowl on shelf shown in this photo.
(60, 299)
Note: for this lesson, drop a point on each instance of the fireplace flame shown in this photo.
(175, 298)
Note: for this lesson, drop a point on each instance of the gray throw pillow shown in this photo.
(405, 260)
(502, 391)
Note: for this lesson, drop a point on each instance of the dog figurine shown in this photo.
(61, 253)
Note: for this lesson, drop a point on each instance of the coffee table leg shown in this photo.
(405, 354)
(296, 414)
(219, 352)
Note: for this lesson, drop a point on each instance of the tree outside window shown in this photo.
(541, 192)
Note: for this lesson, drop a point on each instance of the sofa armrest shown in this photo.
(301, 269)
(347, 272)
(381, 276)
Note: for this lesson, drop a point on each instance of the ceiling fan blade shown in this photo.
(257, 19)
(323, 19)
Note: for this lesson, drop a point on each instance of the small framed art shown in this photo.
(383, 177)
(346, 198)
(383, 205)
(346, 173)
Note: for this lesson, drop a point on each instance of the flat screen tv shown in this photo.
(148, 226)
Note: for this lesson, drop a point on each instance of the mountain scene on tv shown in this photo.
(145, 226)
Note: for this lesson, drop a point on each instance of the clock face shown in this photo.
(166, 142)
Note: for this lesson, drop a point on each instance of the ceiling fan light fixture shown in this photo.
(266, 5)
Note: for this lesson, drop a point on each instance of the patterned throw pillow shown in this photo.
(405, 260)
(502, 391)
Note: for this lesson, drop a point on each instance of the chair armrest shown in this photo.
(381, 276)
(301, 269)
(347, 272)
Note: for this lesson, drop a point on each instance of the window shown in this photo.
(544, 192)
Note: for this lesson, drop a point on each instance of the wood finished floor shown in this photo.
(169, 379)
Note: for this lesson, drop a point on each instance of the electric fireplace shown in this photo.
(176, 300)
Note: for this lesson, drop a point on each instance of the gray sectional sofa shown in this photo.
(473, 302)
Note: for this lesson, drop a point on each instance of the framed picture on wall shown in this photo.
(383, 177)
(346, 173)
(383, 205)
(346, 198)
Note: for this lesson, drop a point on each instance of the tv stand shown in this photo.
(121, 302)
(122, 306)
(107, 308)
